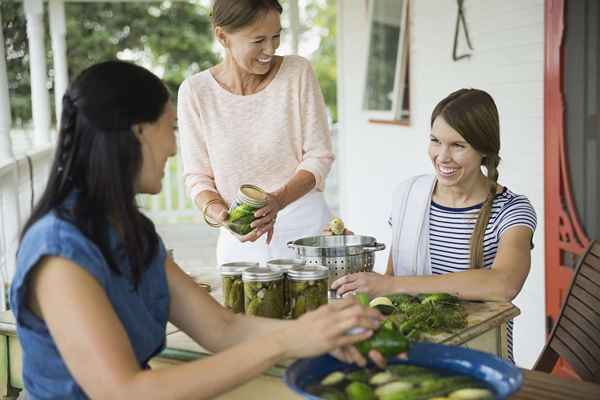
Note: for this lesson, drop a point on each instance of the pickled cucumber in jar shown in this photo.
(308, 288)
(249, 199)
(233, 287)
(263, 292)
(285, 265)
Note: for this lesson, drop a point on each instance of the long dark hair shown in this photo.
(99, 156)
(474, 115)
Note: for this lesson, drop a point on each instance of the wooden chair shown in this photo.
(576, 334)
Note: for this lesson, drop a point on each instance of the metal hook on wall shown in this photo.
(460, 18)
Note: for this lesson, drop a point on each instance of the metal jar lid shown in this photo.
(252, 195)
(308, 273)
(236, 268)
(285, 264)
(257, 274)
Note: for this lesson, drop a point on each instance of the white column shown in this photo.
(40, 99)
(294, 24)
(10, 198)
(11, 223)
(58, 32)
(5, 121)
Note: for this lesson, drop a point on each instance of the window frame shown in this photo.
(398, 114)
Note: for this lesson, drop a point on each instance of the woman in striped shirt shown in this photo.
(458, 231)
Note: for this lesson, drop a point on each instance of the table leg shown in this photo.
(4, 366)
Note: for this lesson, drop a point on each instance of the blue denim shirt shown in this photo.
(143, 313)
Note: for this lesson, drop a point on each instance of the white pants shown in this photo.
(304, 217)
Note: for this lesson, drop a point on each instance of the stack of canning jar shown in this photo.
(308, 288)
(233, 287)
(284, 289)
(284, 265)
(263, 292)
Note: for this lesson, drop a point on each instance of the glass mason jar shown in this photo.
(241, 212)
(284, 265)
(233, 287)
(308, 288)
(263, 292)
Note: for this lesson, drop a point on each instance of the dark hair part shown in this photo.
(99, 156)
(474, 115)
(233, 15)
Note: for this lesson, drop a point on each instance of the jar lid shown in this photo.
(257, 274)
(236, 268)
(285, 264)
(252, 195)
(308, 273)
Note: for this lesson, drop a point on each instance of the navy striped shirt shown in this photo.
(450, 232)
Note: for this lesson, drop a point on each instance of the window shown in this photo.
(386, 95)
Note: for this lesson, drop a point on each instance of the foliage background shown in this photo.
(173, 39)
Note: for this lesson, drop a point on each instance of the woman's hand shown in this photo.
(336, 227)
(371, 283)
(326, 328)
(218, 212)
(265, 219)
(326, 231)
(221, 216)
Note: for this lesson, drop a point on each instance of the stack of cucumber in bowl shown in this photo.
(409, 318)
(399, 382)
(426, 371)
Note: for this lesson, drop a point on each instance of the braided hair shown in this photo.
(473, 114)
(99, 156)
(66, 144)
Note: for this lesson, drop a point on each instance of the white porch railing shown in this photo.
(22, 180)
(173, 204)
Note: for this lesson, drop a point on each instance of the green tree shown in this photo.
(172, 38)
(319, 16)
(322, 16)
(17, 60)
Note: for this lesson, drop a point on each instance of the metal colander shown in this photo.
(344, 254)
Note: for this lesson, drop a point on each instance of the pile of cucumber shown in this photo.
(399, 382)
(424, 314)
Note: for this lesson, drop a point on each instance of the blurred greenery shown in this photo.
(322, 16)
(172, 38)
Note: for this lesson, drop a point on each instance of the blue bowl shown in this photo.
(500, 376)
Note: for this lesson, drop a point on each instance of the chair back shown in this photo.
(576, 334)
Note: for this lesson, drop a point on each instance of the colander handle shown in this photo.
(374, 247)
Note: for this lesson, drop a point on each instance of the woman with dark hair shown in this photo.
(94, 288)
(458, 231)
(256, 118)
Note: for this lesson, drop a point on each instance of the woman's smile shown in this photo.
(446, 172)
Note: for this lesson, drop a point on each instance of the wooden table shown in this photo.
(536, 385)
(180, 348)
(485, 331)
(542, 386)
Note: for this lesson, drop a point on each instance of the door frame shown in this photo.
(565, 238)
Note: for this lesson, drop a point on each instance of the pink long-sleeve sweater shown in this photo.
(262, 139)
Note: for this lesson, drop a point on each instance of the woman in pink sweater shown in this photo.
(256, 118)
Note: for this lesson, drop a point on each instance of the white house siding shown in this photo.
(507, 36)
